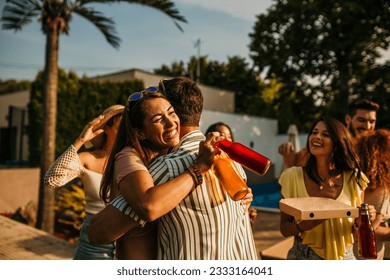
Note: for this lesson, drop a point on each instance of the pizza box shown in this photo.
(315, 208)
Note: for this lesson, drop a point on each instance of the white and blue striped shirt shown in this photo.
(205, 225)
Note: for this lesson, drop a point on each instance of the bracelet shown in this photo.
(193, 178)
(298, 229)
(195, 174)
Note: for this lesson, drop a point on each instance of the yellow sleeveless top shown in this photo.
(331, 238)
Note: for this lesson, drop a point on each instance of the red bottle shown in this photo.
(367, 243)
(245, 156)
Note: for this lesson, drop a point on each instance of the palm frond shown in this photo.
(104, 24)
(165, 6)
(18, 13)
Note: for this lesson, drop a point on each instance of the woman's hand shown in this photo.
(372, 212)
(88, 134)
(252, 215)
(310, 224)
(247, 199)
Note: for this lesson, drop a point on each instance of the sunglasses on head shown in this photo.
(162, 86)
(136, 96)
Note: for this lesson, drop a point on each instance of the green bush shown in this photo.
(79, 101)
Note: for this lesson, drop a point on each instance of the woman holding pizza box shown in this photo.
(332, 171)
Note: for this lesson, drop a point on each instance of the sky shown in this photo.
(149, 38)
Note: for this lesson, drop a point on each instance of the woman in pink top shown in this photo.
(149, 128)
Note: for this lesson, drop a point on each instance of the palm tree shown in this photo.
(54, 17)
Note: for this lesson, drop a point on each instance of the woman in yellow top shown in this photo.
(332, 171)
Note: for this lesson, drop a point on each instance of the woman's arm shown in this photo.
(69, 165)
(108, 225)
(66, 168)
(289, 227)
(382, 233)
(151, 202)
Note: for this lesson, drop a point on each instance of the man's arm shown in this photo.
(292, 158)
(108, 225)
(301, 157)
(286, 150)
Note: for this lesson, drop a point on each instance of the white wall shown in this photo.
(254, 132)
(261, 132)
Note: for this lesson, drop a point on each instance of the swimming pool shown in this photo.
(266, 195)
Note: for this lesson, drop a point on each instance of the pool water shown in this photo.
(266, 195)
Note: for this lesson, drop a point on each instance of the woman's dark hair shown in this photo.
(132, 121)
(214, 127)
(343, 155)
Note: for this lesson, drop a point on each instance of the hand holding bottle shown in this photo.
(367, 242)
(245, 156)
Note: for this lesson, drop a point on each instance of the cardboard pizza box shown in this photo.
(315, 208)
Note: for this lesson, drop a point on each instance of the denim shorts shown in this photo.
(88, 251)
(300, 251)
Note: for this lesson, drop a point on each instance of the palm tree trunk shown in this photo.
(45, 219)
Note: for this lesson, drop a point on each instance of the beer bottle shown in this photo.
(367, 243)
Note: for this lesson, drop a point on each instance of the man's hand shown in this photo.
(286, 150)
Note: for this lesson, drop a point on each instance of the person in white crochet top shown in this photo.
(88, 166)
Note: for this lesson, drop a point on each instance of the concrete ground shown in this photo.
(21, 242)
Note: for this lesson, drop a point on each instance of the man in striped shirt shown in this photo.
(207, 224)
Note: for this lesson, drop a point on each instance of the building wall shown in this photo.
(17, 99)
(214, 98)
(18, 187)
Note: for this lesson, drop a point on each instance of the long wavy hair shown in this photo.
(373, 149)
(344, 157)
(132, 120)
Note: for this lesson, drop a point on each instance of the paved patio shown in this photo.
(21, 242)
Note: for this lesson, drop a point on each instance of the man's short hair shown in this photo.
(362, 104)
(186, 98)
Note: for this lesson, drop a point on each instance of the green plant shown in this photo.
(69, 210)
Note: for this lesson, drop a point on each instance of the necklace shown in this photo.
(322, 184)
(331, 182)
